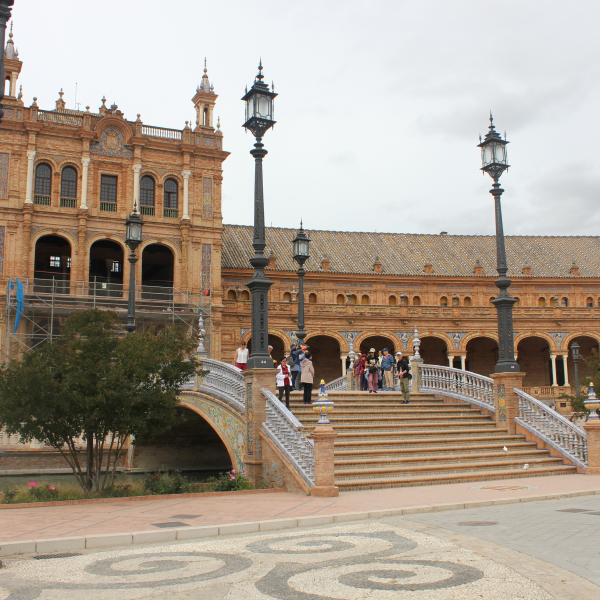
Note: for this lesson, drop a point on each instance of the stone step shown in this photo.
(392, 471)
(530, 457)
(403, 419)
(429, 449)
(432, 479)
(346, 438)
(407, 410)
(405, 428)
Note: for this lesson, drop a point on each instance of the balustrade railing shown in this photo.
(455, 383)
(60, 117)
(223, 380)
(552, 428)
(285, 431)
(337, 385)
(162, 132)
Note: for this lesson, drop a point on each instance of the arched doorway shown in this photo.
(192, 446)
(433, 351)
(279, 350)
(106, 269)
(379, 342)
(482, 355)
(534, 360)
(588, 347)
(326, 358)
(52, 265)
(157, 273)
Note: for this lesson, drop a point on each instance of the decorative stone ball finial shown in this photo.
(323, 406)
(416, 345)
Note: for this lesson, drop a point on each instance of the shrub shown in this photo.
(230, 482)
(168, 483)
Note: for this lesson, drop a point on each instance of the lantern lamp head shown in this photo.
(493, 152)
(259, 106)
(575, 350)
(133, 227)
(300, 244)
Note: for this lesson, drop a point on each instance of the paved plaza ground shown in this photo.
(529, 550)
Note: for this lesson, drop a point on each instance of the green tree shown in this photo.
(589, 373)
(98, 384)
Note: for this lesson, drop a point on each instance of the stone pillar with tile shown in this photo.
(507, 402)
(324, 437)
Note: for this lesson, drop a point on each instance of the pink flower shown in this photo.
(196, 483)
(243, 470)
(233, 471)
(51, 487)
(32, 483)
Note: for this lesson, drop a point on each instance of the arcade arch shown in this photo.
(157, 272)
(379, 342)
(279, 349)
(482, 355)
(434, 351)
(534, 360)
(52, 262)
(106, 268)
(326, 353)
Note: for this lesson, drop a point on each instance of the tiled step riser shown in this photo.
(391, 453)
(442, 470)
(414, 430)
(348, 486)
(390, 436)
(405, 423)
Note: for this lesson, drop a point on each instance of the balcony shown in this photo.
(147, 210)
(170, 213)
(108, 206)
(44, 200)
(68, 202)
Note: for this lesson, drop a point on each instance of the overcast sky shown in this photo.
(380, 103)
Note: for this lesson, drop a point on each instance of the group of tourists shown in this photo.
(372, 372)
(376, 372)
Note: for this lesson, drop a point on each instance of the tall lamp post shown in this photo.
(259, 118)
(493, 156)
(5, 12)
(575, 355)
(301, 255)
(133, 239)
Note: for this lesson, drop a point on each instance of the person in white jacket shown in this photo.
(283, 379)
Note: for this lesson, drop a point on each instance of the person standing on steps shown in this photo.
(404, 377)
(283, 381)
(307, 375)
(293, 365)
(356, 371)
(364, 379)
(387, 368)
(380, 371)
(270, 352)
(372, 365)
(241, 357)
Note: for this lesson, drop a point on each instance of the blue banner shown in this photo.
(20, 304)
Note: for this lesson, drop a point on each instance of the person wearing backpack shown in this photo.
(387, 370)
(372, 365)
(404, 377)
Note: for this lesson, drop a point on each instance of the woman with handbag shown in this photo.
(307, 375)
(283, 381)
(372, 366)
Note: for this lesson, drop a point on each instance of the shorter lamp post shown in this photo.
(301, 255)
(133, 239)
(575, 355)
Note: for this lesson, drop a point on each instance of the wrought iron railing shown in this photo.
(223, 380)
(170, 213)
(68, 202)
(285, 431)
(108, 206)
(147, 210)
(337, 385)
(45, 200)
(455, 383)
(552, 428)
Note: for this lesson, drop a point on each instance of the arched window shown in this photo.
(312, 298)
(392, 300)
(467, 301)
(68, 187)
(416, 301)
(404, 300)
(287, 297)
(245, 295)
(147, 187)
(589, 302)
(564, 302)
(443, 301)
(43, 184)
(542, 302)
(171, 198)
(364, 299)
(353, 299)
(341, 299)
(231, 295)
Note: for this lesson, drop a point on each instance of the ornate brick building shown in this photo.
(68, 180)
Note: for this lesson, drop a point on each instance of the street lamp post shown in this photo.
(5, 12)
(133, 239)
(259, 118)
(575, 355)
(493, 156)
(301, 255)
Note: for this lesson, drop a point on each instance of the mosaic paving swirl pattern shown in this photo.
(373, 561)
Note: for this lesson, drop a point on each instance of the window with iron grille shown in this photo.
(43, 180)
(116, 266)
(147, 191)
(108, 189)
(171, 194)
(68, 184)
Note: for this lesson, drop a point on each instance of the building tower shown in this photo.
(12, 65)
(204, 102)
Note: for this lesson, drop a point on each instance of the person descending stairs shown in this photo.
(384, 443)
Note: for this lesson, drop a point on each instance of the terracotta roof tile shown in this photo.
(405, 254)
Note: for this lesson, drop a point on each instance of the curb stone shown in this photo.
(41, 546)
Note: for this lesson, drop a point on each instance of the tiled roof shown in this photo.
(406, 254)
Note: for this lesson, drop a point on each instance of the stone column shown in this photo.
(463, 363)
(416, 373)
(450, 360)
(255, 380)
(592, 430)
(553, 360)
(343, 358)
(136, 185)
(325, 487)
(85, 161)
(566, 369)
(186, 194)
(29, 189)
(507, 402)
